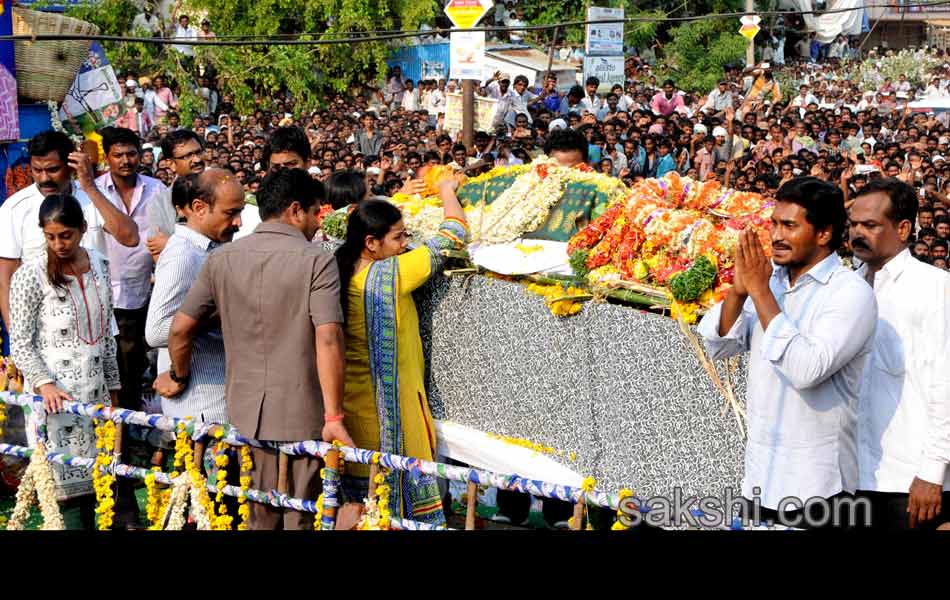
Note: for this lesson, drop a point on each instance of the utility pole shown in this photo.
(468, 113)
(750, 50)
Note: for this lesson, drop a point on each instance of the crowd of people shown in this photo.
(197, 239)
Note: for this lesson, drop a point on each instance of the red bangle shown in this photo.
(332, 418)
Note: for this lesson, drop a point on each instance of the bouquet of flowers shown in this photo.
(675, 235)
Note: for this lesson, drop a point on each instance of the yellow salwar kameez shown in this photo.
(385, 404)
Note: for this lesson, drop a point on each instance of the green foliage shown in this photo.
(578, 262)
(691, 283)
(697, 52)
(254, 74)
(334, 224)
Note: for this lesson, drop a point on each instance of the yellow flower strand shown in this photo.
(222, 521)
(157, 500)
(551, 293)
(377, 515)
(618, 525)
(101, 480)
(244, 509)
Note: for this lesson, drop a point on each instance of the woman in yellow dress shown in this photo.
(385, 405)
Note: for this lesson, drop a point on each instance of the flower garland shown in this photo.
(324, 474)
(175, 512)
(244, 509)
(618, 524)
(377, 516)
(222, 521)
(157, 500)
(555, 297)
(37, 479)
(202, 509)
(102, 477)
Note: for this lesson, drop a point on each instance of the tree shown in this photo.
(258, 72)
(698, 51)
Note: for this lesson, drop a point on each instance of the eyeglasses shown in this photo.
(188, 156)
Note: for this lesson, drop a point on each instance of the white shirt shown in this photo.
(804, 378)
(410, 100)
(185, 33)
(592, 104)
(131, 268)
(904, 411)
(21, 236)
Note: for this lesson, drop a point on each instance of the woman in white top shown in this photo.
(62, 339)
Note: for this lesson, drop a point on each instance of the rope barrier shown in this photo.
(320, 449)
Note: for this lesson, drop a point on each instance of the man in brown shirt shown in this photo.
(278, 297)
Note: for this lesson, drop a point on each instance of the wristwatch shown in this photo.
(176, 378)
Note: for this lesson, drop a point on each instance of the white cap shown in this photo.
(314, 170)
(503, 76)
(130, 83)
(557, 124)
(719, 132)
(938, 157)
(700, 128)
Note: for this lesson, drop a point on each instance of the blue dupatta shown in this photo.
(414, 495)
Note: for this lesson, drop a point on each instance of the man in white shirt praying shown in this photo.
(904, 408)
(808, 325)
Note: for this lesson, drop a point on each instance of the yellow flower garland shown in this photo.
(244, 509)
(551, 293)
(618, 525)
(377, 515)
(102, 480)
(222, 520)
(157, 500)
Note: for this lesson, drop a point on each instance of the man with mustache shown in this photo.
(904, 408)
(212, 202)
(278, 297)
(184, 149)
(53, 160)
(808, 325)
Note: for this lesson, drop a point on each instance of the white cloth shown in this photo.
(483, 451)
(804, 378)
(21, 236)
(592, 104)
(410, 100)
(904, 411)
(151, 25)
(250, 219)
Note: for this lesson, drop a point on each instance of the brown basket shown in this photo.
(46, 69)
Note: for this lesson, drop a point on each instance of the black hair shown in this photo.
(823, 204)
(51, 141)
(65, 210)
(565, 140)
(373, 218)
(942, 243)
(177, 138)
(925, 231)
(669, 82)
(283, 187)
(345, 188)
(286, 139)
(459, 148)
(521, 79)
(430, 156)
(576, 91)
(592, 81)
(119, 135)
(442, 138)
(903, 205)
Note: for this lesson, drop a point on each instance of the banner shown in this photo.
(467, 54)
(9, 120)
(604, 39)
(95, 98)
(608, 69)
(484, 113)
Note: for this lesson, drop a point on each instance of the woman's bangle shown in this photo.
(332, 418)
